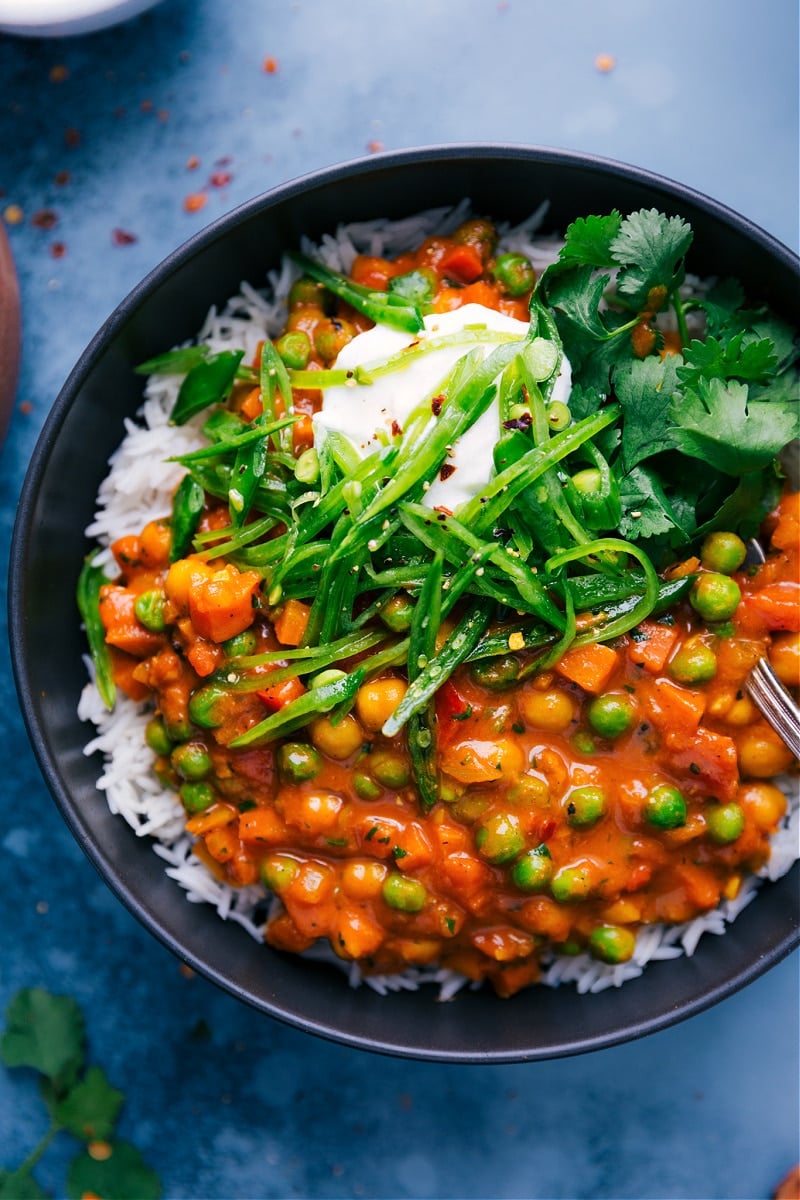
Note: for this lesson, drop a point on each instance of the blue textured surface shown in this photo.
(224, 1102)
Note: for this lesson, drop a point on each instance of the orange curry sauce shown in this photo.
(515, 761)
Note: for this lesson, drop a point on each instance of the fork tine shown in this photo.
(775, 703)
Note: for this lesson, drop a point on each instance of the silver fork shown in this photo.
(771, 698)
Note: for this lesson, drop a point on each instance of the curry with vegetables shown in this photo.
(480, 736)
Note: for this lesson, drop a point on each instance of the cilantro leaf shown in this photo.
(123, 1174)
(588, 240)
(647, 512)
(754, 496)
(740, 358)
(46, 1033)
(716, 424)
(645, 389)
(650, 249)
(576, 292)
(91, 1107)
(20, 1185)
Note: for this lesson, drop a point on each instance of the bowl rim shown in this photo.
(104, 336)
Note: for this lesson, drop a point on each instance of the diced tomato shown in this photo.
(462, 263)
(278, 695)
(778, 604)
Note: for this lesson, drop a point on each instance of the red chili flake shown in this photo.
(270, 66)
(26, 407)
(120, 112)
(45, 218)
(62, 178)
(58, 73)
(58, 249)
(163, 115)
(220, 179)
(192, 163)
(374, 147)
(446, 470)
(223, 162)
(436, 405)
(146, 106)
(72, 137)
(195, 201)
(121, 237)
(605, 63)
(396, 430)
(184, 56)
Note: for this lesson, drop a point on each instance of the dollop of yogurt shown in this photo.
(372, 414)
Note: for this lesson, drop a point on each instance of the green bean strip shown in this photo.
(313, 703)
(90, 580)
(421, 734)
(381, 307)
(462, 641)
(644, 606)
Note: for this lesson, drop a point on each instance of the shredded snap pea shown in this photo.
(90, 580)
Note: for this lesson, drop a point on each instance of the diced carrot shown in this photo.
(481, 760)
(652, 645)
(675, 709)
(223, 843)
(302, 435)
(313, 883)
(448, 298)
(204, 656)
(123, 667)
(354, 934)
(221, 605)
(786, 534)
(213, 818)
(372, 272)
(778, 604)
(242, 871)
(707, 759)
(262, 825)
(123, 628)
(412, 848)
(590, 666)
(278, 695)
(503, 943)
(462, 263)
(182, 576)
(290, 623)
(155, 541)
(127, 551)
(466, 873)
(311, 812)
(283, 934)
(680, 570)
(252, 406)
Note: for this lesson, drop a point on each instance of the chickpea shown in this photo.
(784, 657)
(552, 711)
(377, 700)
(761, 753)
(764, 802)
(363, 879)
(337, 741)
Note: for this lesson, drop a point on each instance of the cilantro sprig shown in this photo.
(47, 1034)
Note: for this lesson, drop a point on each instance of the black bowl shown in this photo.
(86, 424)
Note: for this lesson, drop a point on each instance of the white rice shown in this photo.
(139, 487)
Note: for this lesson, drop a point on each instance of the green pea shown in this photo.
(298, 761)
(149, 609)
(180, 729)
(714, 596)
(693, 663)
(157, 738)
(723, 552)
(558, 416)
(396, 614)
(611, 714)
(585, 806)
(295, 349)
(277, 871)
(499, 838)
(725, 822)
(417, 287)
(514, 273)
(240, 644)
(191, 760)
(534, 870)
(197, 797)
(495, 673)
(583, 742)
(665, 807)
(612, 943)
(390, 768)
(306, 469)
(306, 292)
(205, 706)
(365, 787)
(402, 892)
(330, 337)
(571, 884)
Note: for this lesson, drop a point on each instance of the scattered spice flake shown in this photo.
(45, 218)
(72, 137)
(42, 907)
(163, 115)
(184, 56)
(26, 408)
(58, 249)
(374, 147)
(120, 237)
(13, 215)
(186, 971)
(58, 73)
(270, 66)
(120, 112)
(220, 179)
(194, 202)
(446, 470)
(192, 163)
(100, 1151)
(503, 6)
(605, 63)
(62, 178)
(146, 106)
(225, 161)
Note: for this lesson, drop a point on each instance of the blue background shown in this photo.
(221, 1101)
